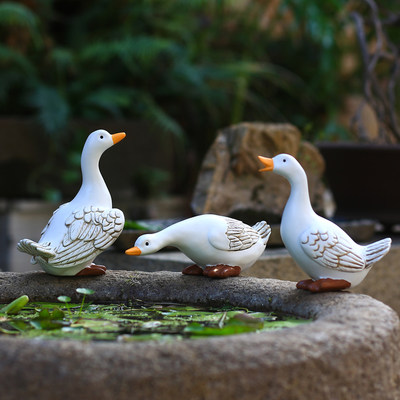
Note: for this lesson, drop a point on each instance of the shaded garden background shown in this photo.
(188, 67)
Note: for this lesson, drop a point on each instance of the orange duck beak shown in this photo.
(117, 137)
(133, 251)
(268, 162)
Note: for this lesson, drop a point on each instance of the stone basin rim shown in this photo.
(258, 294)
(346, 326)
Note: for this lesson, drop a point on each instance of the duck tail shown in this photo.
(375, 251)
(264, 230)
(35, 249)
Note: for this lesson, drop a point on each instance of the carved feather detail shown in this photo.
(90, 230)
(240, 235)
(332, 251)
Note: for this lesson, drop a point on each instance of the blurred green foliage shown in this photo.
(188, 66)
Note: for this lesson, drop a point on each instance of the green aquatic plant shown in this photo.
(138, 321)
(49, 319)
(15, 306)
(85, 292)
(65, 300)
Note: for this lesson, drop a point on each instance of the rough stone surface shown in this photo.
(382, 282)
(229, 182)
(350, 351)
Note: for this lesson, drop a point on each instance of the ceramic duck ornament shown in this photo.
(80, 230)
(220, 246)
(322, 249)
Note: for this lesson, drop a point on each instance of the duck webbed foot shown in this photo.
(221, 271)
(323, 285)
(193, 270)
(92, 270)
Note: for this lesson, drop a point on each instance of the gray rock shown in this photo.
(229, 182)
(349, 351)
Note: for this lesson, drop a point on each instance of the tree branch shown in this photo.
(379, 92)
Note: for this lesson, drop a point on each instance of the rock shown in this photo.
(229, 182)
(349, 351)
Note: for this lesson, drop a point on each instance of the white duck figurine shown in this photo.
(322, 249)
(80, 230)
(222, 246)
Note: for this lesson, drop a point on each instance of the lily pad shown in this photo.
(239, 323)
(64, 299)
(85, 291)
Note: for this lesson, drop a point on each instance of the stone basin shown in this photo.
(349, 351)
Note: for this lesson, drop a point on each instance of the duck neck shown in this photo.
(298, 205)
(93, 189)
(165, 238)
(175, 235)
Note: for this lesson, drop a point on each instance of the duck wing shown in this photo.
(235, 236)
(332, 249)
(90, 230)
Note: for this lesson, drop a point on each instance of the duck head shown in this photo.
(282, 164)
(145, 244)
(99, 141)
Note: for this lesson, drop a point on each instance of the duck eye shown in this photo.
(284, 160)
(101, 137)
(147, 243)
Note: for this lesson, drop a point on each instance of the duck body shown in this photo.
(81, 229)
(321, 248)
(210, 240)
(297, 236)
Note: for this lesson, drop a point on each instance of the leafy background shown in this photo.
(188, 66)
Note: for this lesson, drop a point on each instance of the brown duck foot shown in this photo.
(221, 271)
(323, 285)
(193, 270)
(92, 270)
